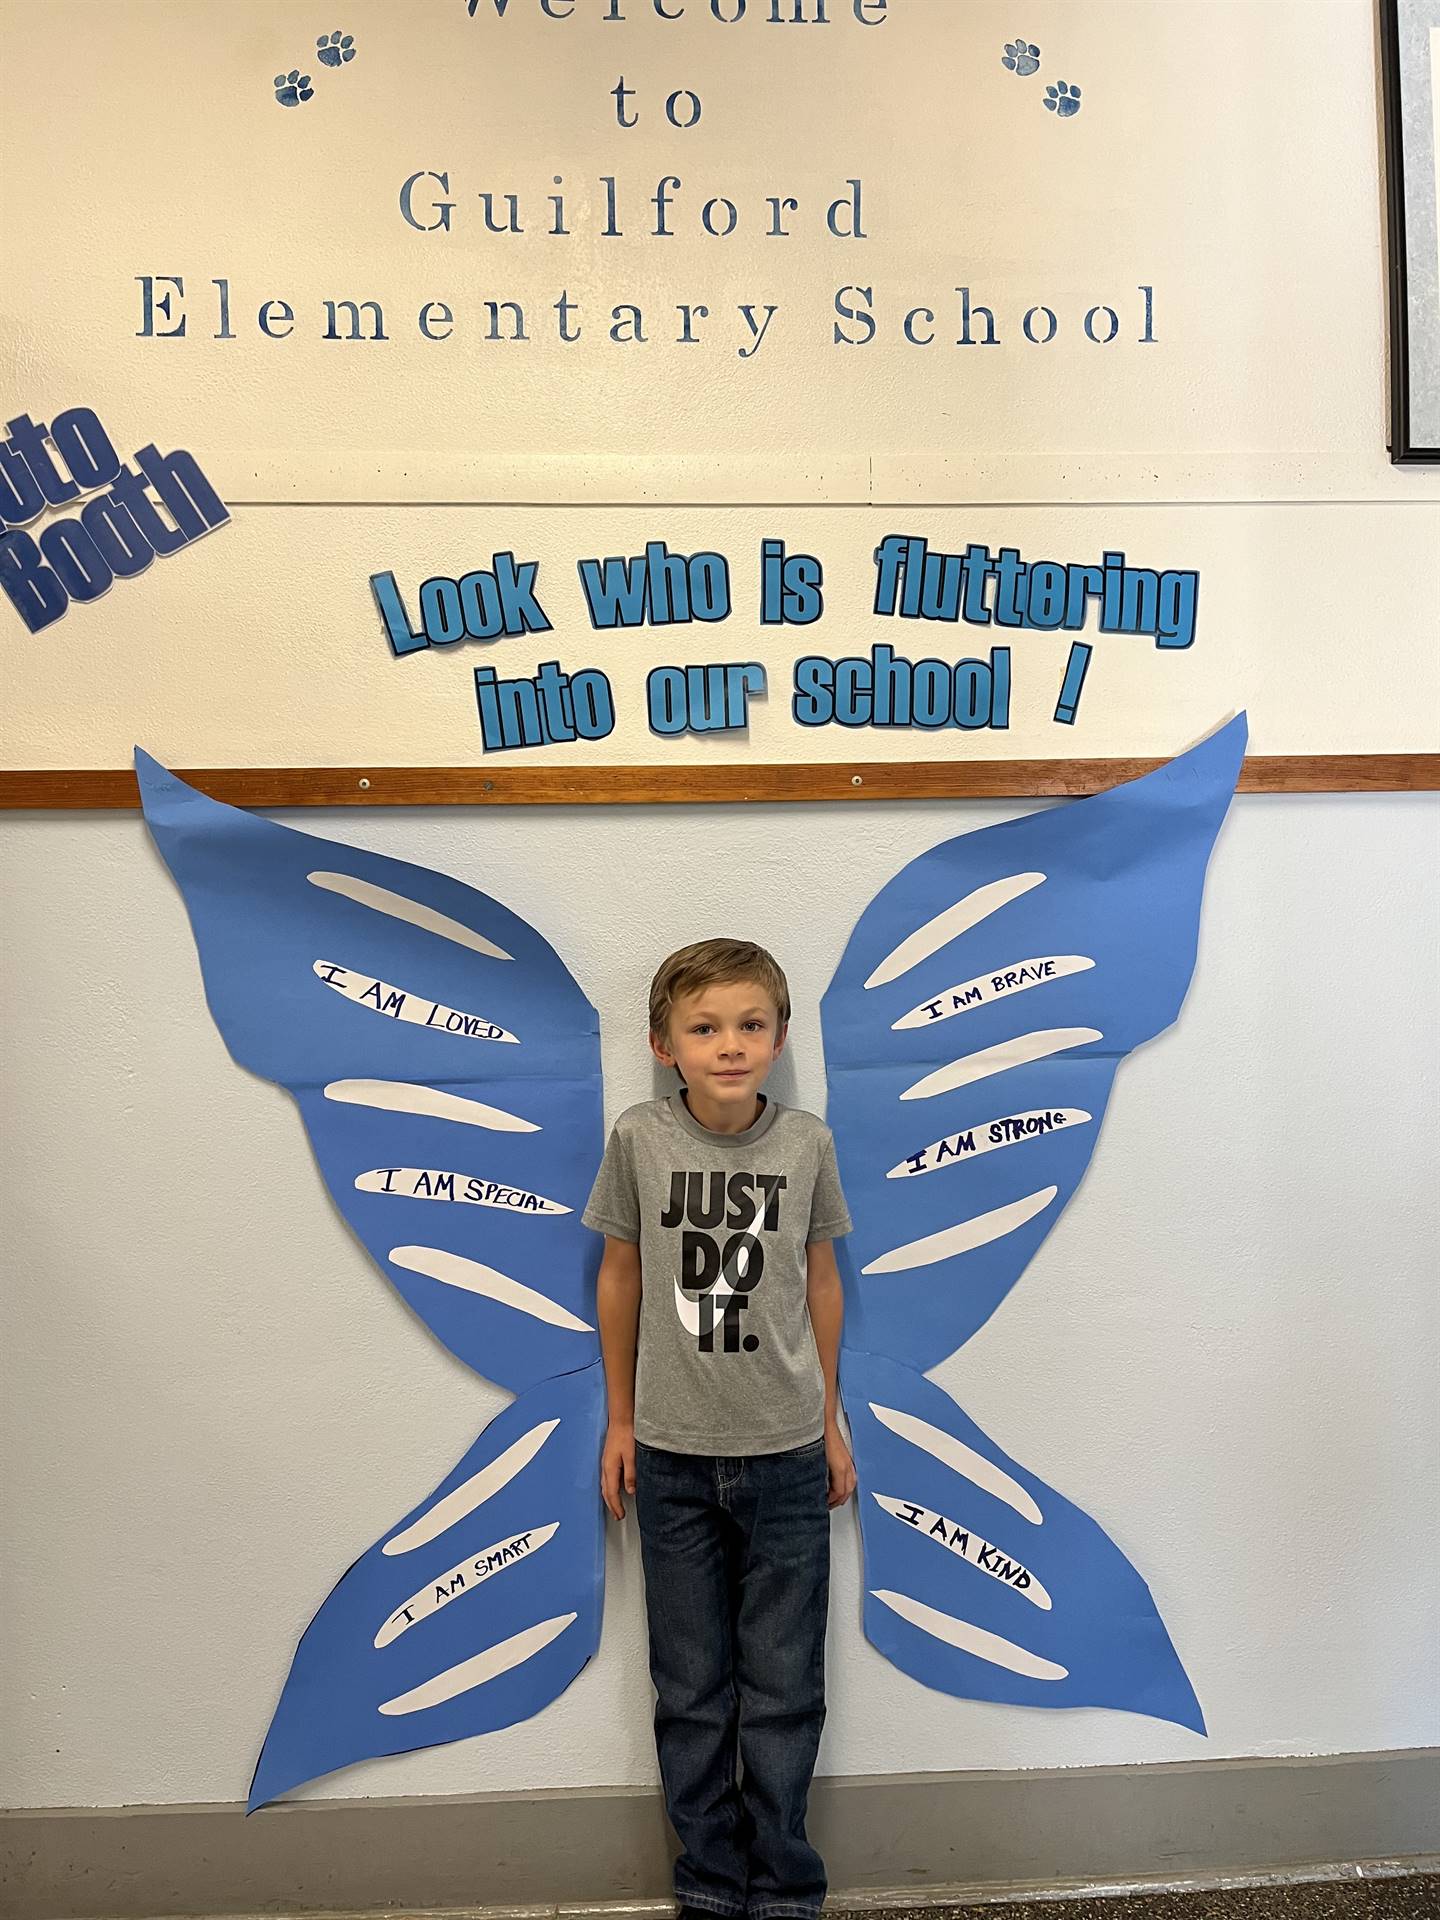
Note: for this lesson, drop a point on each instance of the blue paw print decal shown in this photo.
(333, 51)
(1062, 99)
(293, 87)
(1021, 57)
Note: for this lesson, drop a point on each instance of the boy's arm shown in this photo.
(825, 1299)
(617, 1302)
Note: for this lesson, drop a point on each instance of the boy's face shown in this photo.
(724, 1041)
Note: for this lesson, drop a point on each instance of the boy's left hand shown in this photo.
(842, 1467)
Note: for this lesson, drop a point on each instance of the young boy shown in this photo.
(720, 1310)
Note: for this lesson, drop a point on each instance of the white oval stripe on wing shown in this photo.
(471, 1572)
(998, 984)
(970, 1638)
(964, 1236)
(480, 1667)
(965, 1461)
(429, 1103)
(400, 907)
(454, 1270)
(967, 1545)
(466, 1189)
(950, 924)
(985, 1137)
(1018, 1052)
(399, 1003)
(472, 1493)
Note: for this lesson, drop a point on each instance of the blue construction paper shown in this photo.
(447, 1067)
(523, 1569)
(518, 1121)
(972, 1033)
(1066, 1619)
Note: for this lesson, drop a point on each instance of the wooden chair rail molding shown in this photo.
(87, 789)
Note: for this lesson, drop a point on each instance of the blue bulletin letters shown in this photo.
(484, 604)
(117, 533)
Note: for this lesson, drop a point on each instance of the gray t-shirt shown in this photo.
(726, 1362)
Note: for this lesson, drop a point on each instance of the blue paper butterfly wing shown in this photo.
(1080, 943)
(983, 1582)
(486, 1600)
(371, 989)
(381, 994)
(972, 1033)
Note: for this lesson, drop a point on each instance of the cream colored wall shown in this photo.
(1226, 156)
(1310, 618)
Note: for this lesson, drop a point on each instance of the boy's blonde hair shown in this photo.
(715, 963)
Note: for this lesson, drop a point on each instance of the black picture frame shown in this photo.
(1414, 327)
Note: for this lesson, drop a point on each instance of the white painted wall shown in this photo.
(1227, 1351)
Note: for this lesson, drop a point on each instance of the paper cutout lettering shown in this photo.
(972, 1032)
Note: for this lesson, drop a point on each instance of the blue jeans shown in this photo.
(737, 1585)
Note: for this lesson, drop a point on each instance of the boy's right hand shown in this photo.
(617, 1467)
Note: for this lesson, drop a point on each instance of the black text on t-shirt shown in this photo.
(724, 1272)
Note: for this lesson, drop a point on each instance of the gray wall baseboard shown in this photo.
(588, 1848)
